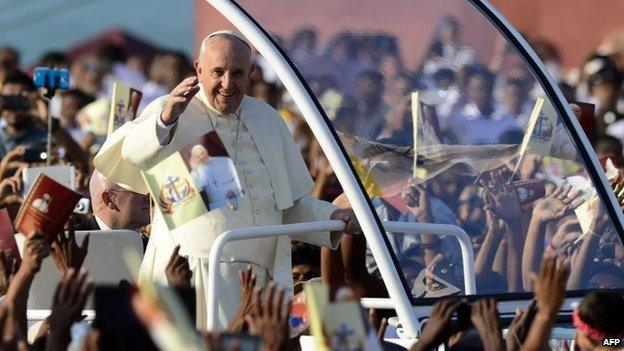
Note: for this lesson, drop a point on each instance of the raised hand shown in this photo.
(555, 205)
(36, 249)
(566, 234)
(501, 199)
(550, 285)
(247, 281)
(177, 271)
(437, 330)
(11, 190)
(69, 300)
(519, 327)
(12, 160)
(269, 320)
(352, 227)
(484, 317)
(494, 225)
(417, 200)
(65, 250)
(178, 100)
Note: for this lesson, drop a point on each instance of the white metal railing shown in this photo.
(465, 244)
(320, 226)
(252, 233)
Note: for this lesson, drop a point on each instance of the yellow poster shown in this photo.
(197, 179)
(417, 123)
(124, 106)
(538, 136)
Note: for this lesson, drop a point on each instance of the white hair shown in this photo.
(224, 34)
(197, 149)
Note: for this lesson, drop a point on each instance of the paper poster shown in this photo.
(428, 284)
(197, 179)
(317, 297)
(538, 136)
(586, 213)
(418, 172)
(124, 106)
(338, 325)
(345, 327)
(47, 207)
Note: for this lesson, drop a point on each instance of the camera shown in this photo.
(51, 78)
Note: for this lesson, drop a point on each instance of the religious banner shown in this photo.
(124, 106)
(539, 135)
(417, 172)
(199, 178)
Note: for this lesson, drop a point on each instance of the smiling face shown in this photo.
(224, 68)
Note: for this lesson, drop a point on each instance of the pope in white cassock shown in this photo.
(272, 173)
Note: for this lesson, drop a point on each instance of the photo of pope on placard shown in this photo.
(213, 171)
(193, 181)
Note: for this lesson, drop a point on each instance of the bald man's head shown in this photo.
(223, 68)
(117, 207)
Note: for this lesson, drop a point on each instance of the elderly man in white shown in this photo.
(272, 173)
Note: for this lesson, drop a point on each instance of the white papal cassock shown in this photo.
(272, 173)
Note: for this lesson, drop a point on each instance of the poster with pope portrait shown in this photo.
(197, 179)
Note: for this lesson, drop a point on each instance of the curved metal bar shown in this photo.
(465, 244)
(354, 191)
(252, 233)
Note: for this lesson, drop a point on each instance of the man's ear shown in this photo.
(198, 67)
(108, 198)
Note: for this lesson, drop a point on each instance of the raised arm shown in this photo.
(36, 248)
(549, 294)
(582, 265)
(495, 230)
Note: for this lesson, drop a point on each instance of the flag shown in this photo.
(124, 106)
(417, 123)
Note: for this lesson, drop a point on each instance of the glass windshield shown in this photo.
(445, 123)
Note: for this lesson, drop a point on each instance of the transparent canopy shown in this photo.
(445, 122)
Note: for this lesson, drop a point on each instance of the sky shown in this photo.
(34, 27)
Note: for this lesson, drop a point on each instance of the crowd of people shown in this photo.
(471, 108)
